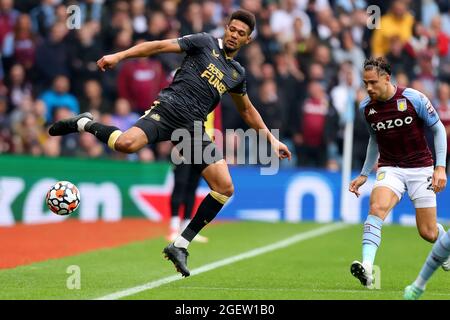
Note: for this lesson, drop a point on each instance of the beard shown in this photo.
(229, 50)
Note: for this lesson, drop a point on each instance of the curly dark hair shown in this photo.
(380, 64)
(246, 17)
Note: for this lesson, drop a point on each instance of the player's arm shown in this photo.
(439, 180)
(254, 120)
(369, 162)
(143, 49)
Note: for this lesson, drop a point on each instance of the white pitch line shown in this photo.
(309, 290)
(208, 267)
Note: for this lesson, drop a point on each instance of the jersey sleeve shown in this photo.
(362, 106)
(193, 42)
(423, 106)
(241, 88)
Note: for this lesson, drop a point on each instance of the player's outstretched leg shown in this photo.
(218, 177)
(438, 255)
(66, 126)
(129, 141)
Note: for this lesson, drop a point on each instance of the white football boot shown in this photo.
(363, 272)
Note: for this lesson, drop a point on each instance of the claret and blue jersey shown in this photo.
(398, 125)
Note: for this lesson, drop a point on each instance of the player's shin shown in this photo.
(441, 230)
(438, 255)
(104, 133)
(206, 212)
(371, 240)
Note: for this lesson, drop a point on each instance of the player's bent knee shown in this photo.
(227, 189)
(126, 145)
(429, 234)
(377, 210)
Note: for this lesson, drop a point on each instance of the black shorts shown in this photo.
(190, 140)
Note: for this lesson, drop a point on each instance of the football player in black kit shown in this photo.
(207, 72)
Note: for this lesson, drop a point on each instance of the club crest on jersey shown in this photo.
(215, 54)
(155, 116)
(235, 74)
(401, 105)
(381, 176)
(430, 108)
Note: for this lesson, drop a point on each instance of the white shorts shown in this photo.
(416, 180)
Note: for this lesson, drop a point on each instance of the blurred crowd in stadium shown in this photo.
(303, 67)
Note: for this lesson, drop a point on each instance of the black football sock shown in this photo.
(207, 211)
(104, 133)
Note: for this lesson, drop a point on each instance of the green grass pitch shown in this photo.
(316, 268)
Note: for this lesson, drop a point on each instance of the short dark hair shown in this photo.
(246, 17)
(380, 64)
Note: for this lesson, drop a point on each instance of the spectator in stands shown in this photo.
(322, 56)
(43, 17)
(157, 26)
(123, 118)
(58, 96)
(85, 53)
(397, 22)
(349, 51)
(8, 17)
(310, 137)
(20, 44)
(6, 138)
(192, 20)
(93, 100)
(89, 147)
(91, 10)
(30, 136)
(140, 81)
(427, 73)
(400, 58)
(53, 56)
(138, 17)
(344, 94)
(18, 86)
(270, 106)
(282, 21)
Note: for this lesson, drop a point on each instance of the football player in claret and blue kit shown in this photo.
(396, 118)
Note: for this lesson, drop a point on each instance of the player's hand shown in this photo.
(107, 62)
(281, 150)
(439, 180)
(356, 183)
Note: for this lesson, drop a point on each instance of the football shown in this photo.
(63, 198)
